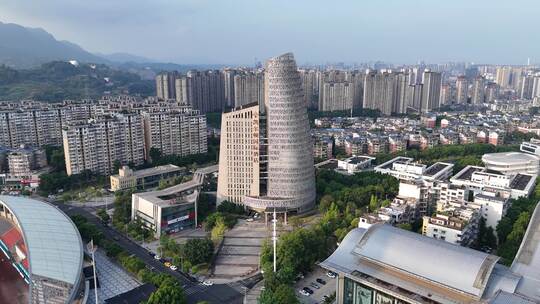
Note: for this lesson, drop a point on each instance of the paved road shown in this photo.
(219, 293)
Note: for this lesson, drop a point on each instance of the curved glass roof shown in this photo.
(53, 242)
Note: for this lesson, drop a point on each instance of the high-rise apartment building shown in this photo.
(536, 86)
(431, 91)
(228, 85)
(503, 76)
(336, 96)
(310, 85)
(530, 86)
(446, 94)
(100, 143)
(203, 90)
(478, 90)
(181, 131)
(38, 127)
(492, 92)
(165, 85)
(462, 90)
(379, 91)
(401, 89)
(248, 88)
(388, 91)
(264, 163)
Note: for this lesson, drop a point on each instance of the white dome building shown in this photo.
(511, 163)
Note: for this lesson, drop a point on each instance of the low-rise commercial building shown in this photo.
(479, 179)
(142, 179)
(384, 264)
(531, 147)
(172, 209)
(355, 164)
(404, 168)
(169, 210)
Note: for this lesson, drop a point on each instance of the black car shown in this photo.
(321, 281)
(308, 290)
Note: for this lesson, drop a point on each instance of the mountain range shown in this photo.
(22, 47)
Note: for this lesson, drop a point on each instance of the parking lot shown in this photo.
(316, 297)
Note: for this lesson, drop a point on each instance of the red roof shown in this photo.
(11, 237)
(25, 263)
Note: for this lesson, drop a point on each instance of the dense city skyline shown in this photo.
(318, 32)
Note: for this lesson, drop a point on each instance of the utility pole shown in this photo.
(274, 238)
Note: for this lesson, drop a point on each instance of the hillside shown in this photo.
(24, 47)
(58, 80)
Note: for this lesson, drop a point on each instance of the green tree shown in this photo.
(116, 165)
(405, 226)
(218, 231)
(103, 215)
(486, 236)
(283, 294)
(198, 251)
(168, 293)
(155, 154)
(373, 203)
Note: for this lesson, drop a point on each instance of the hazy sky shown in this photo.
(317, 31)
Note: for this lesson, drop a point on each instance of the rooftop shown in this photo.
(520, 181)
(437, 168)
(53, 242)
(467, 172)
(153, 171)
(509, 158)
(426, 266)
(390, 163)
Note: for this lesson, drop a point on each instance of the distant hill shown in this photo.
(125, 57)
(60, 80)
(23, 47)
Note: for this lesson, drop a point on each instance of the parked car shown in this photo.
(308, 290)
(303, 292)
(325, 298)
(167, 264)
(321, 281)
(157, 257)
(314, 285)
(331, 275)
(249, 220)
(173, 267)
(208, 283)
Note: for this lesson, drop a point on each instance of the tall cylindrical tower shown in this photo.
(291, 174)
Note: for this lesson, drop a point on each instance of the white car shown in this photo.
(249, 220)
(303, 292)
(331, 275)
(157, 257)
(208, 283)
(174, 268)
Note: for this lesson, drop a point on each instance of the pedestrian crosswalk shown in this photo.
(195, 289)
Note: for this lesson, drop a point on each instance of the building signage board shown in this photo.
(178, 219)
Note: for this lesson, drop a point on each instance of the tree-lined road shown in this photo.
(194, 291)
